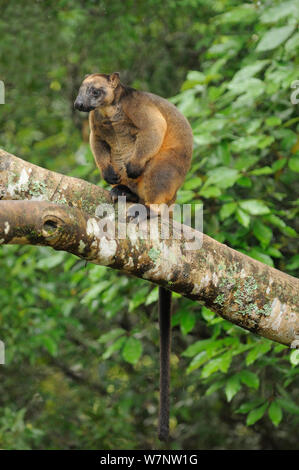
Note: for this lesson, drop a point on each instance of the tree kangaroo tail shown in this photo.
(165, 342)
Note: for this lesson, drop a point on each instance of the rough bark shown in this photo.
(61, 214)
(23, 180)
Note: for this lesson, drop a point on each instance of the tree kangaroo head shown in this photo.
(97, 90)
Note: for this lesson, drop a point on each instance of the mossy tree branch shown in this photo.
(59, 211)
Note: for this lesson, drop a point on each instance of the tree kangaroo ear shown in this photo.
(114, 79)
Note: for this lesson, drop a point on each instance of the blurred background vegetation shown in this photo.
(81, 341)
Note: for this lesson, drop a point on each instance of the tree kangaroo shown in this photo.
(142, 145)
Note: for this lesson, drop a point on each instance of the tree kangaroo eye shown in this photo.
(96, 92)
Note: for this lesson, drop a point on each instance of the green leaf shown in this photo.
(215, 386)
(292, 44)
(111, 335)
(273, 121)
(263, 233)
(279, 164)
(232, 387)
(196, 76)
(211, 191)
(204, 138)
(153, 296)
(266, 170)
(240, 14)
(197, 347)
(275, 413)
(250, 379)
(138, 298)
(279, 347)
(243, 218)
(294, 357)
(223, 151)
(260, 256)
(294, 263)
(198, 361)
(254, 207)
(290, 232)
(95, 291)
(253, 125)
(256, 415)
(245, 143)
(50, 262)
(276, 221)
(245, 161)
(249, 405)
(194, 183)
(185, 196)
(249, 70)
(227, 210)
(274, 38)
(266, 141)
(294, 163)
(257, 351)
(244, 181)
(221, 363)
(246, 85)
(274, 252)
(116, 346)
(222, 177)
(132, 350)
(50, 345)
(207, 314)
(288, 405)
(211, 125)
(274, 14)
(187, 321)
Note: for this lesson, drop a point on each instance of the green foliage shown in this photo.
(275, 413)
(82, 341)
(256, 414)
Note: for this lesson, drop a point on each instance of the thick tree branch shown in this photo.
(23, 180)
(240, 289)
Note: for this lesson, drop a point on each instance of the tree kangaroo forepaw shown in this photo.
(110, 175)
(122, 190)
(134, 170)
